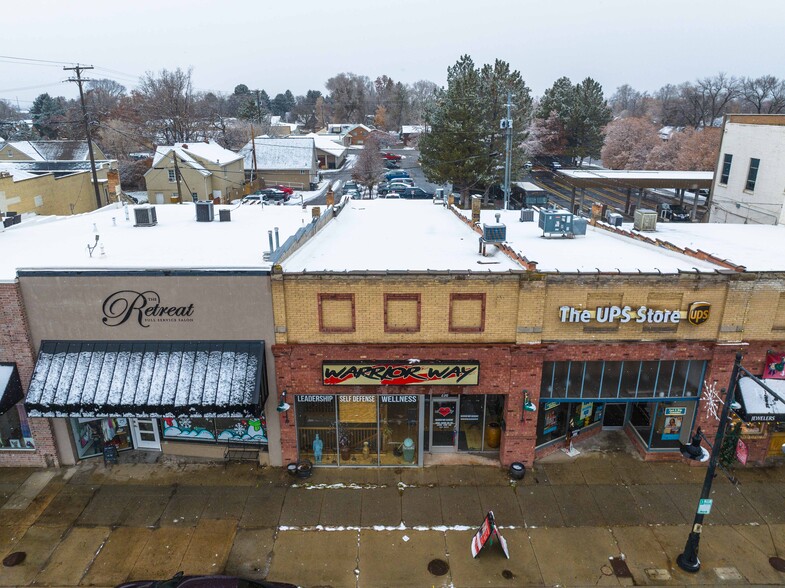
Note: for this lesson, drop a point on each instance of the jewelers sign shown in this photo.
(697, 313)
(400, 374)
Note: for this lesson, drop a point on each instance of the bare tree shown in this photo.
(169, 105)
(628, 142)
(716, 94)
(369, 166)
(627, 101)
(765, 95)
(351, 97)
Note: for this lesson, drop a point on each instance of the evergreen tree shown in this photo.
(47, 113)
(729, 442)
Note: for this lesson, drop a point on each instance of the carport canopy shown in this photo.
(689, 180)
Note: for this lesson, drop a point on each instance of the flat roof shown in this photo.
(600, 250)
(396, 235)
(584, 178)
(177, 242)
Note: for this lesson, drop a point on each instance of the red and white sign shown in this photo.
(742, 452)
(775, 366)
(485, 533)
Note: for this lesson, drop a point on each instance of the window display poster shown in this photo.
(586, 409)
(672, 428)
(551, 418)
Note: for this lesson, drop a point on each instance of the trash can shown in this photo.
(408, 450)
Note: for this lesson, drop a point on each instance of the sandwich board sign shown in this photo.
(485, 534)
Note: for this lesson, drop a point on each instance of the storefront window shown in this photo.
(316, 419)
(91, 434)
(494, 415)
(592, 377)
(679, 382)
(561, 371)
(575, 379)
(185, 428)
(583, 414)
(663, 425)
(610, 379)
(15, 430)
(470, 434)
(641, 419)
(358, 431)
(551, 421)
(647, 382)
(629, 379)
(398, 418)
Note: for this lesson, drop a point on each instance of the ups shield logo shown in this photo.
(698, 313)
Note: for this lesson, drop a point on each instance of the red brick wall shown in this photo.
(504, 369)
(15, 346)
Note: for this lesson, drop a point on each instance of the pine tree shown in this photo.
(729, 442)
(47, 112)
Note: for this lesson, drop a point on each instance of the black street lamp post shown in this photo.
(688, 560)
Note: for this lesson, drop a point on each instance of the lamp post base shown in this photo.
(687, 565)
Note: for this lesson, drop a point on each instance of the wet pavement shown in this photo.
(92, 525)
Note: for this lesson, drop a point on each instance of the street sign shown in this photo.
(704, 507)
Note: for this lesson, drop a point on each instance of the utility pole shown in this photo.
(507, 125)
(177, 177)
(253, 153)
(78, 79)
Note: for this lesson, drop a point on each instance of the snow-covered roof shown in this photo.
(52, 150)
(61, 242)
(413, 129)
(15, 171)
(290, 153)
(327, 144)
(183, 158)
(623, 174)
(600, 250)
(360, 126)
(208, 151)
(758, 402)
(529, 186)
(396, 235)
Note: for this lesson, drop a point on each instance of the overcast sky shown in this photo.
(298, 45)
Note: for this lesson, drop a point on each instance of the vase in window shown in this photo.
(493, 435)
(346, 451)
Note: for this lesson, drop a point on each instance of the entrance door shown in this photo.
(444, 424)
(145, 434)
(614, 416)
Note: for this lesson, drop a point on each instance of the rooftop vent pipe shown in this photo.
(277, 241)
(270, 237)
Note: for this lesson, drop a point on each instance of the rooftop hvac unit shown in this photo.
(579, 225)
(205, 213)
(527, 215)
(496, 233)
(556, 222)
(614, 219)
(225, 215)
(645, 220)
(144, 216)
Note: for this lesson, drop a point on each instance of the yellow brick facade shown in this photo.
(48, 195)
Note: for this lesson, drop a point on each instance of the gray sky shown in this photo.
(298, 45)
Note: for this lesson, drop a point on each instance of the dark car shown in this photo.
(675, 213)
(181, 581)
(391, 175)
(415, 194)
(392, 187)
(391, 164)
(273, 194)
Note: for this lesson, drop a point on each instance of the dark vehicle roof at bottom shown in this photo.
(180, 581)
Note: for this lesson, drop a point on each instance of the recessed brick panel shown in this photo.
(402, 313)
(467, 313)
(336, 313)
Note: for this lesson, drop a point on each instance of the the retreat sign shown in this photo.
(697, 313)
(366, 373)
(143, 308)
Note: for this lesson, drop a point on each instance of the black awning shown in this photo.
(757, 405)
(148, 378)
(10, 386)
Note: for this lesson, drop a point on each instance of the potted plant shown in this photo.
(345, 450)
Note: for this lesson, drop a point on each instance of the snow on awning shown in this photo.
(148, 378)
(10, 386)
(757, 405)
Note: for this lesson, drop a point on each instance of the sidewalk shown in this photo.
(90, 525)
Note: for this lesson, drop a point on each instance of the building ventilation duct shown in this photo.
(645, 220)
(144, 216)
(205, 213)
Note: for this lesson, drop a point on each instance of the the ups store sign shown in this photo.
(698, 312)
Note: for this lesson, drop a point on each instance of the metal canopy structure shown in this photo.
(689, 180)
(10, 386)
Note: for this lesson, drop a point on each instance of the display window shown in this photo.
(358, 429)
(212, 430)
(15, 430)
(663, 425)
(92, 434)
(316, 431)
(551, 421)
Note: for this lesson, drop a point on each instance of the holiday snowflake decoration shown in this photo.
(184, 422)
(713, 400)
(240, 429)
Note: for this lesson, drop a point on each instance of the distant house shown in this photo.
(207, 172)
(282, 129)
(666, 133)
(357, 135)
(331, 155)
(54, 177)
(291, 162)
(409, 132)
(347, 134)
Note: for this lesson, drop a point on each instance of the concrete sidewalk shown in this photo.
(90, 525)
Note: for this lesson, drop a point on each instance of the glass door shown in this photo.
(145, 434)
(444, 424)
(614, 416)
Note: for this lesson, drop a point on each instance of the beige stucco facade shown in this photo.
(226, 307)
(223, 181)
(50, 195)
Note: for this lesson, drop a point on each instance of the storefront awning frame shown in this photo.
(10, 386)
(208, 379)
(757, 404)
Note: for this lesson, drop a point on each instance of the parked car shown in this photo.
(675, 213)
(276, 195)
(394, 195)
(391, 156)
(393, 187)
(350, 185)
(254, 199)
(285, 189)
(415, 193)
(398, 173)
(182, 581)
(391, 164)
(353, 193)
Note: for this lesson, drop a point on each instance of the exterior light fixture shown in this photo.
(283, 406)
(528, 405)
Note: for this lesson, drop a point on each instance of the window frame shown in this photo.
(172, 176)
(727, 162)
(752, 174)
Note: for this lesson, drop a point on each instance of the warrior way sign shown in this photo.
(400, 374)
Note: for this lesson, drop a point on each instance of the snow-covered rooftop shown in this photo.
(52, 150)
(177, 242)
(599, 250)
(209, 151)
(618, 174)
(280, 154)
(396, 235)
(16, 171)
(183, 157)
(327, 144)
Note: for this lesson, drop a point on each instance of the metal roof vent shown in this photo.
(494, 233)
(145, 216)
(205, 213)
(645, 220)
